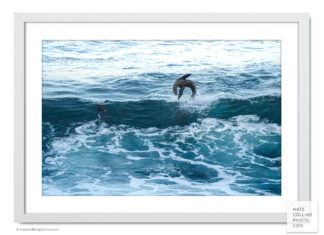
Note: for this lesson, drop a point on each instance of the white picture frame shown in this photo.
(21, 19)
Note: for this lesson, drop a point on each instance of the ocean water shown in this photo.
(111, 124)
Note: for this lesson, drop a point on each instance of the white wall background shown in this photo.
(7, 8)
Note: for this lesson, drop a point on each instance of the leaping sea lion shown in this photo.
(182, 83)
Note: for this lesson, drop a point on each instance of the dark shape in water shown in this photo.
(102, 108)
(182, 83)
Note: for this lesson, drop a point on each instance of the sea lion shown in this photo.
(103, 109)
(182, 83)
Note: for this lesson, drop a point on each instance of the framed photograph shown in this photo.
(160, 117)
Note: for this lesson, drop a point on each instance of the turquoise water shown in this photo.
(112, 125)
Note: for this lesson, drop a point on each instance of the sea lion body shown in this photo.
(182, 83)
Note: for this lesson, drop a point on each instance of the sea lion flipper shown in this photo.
(175, 87)
(192, 85)
(181, 91)
(184, 76)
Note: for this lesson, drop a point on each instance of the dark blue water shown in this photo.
(112, 125)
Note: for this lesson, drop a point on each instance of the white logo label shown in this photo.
(302, 216)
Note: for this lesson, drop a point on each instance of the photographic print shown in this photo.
(161, 118)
